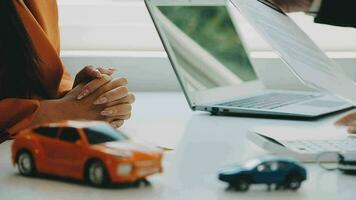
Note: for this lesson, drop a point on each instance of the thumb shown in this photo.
(88, 73)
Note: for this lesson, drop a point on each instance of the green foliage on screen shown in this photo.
(212, 28)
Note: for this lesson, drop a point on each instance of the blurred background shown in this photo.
(120, 33)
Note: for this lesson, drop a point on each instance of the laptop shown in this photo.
(208, 55)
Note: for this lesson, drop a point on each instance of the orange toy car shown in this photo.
(91, 151)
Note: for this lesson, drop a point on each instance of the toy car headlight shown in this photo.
(124, 169)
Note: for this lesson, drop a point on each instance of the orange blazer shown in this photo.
(40, 18)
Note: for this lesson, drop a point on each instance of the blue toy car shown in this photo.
(284, 173)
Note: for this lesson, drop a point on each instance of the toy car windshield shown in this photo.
(252, 163)
(103, 133)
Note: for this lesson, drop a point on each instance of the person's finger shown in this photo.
(117, 123)
(112, 95)
(110, 86)
(118, 110)
(120, 117)
(124, 117)
(90, 71)
(352, 123)
(130, 99)
(107, 71)
(93, 86)
(87, 73)
(352, 129)
(344, 121)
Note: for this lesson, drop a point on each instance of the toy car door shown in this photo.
(48, 142)
(71, 152)
(267, 173)
(283, 170)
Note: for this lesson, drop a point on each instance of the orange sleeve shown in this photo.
(41, 22)
(40, 19)
(66, 83)
(17, 114)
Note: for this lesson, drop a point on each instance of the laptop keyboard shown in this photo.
(318, 146)
(270, 101)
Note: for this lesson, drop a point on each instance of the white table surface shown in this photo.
(202, 144)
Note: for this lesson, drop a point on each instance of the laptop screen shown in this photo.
(204, 46)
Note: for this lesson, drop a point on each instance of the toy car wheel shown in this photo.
(97, 174)
(280, 186)
(25, 163)
(294, 184)
(243, 185)
(142, 183)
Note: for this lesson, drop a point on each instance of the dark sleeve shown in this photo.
(338, 13)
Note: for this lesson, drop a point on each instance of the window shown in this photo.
(69, 135)
(47, 131)
(268, 167)
(274, 166)
(283, 165)
(126, 25)
(103, 133)
(123, 25)
(264, 167)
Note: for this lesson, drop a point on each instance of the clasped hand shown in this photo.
(95, 96)
(102, 98)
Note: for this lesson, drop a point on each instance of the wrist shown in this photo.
(48, 112)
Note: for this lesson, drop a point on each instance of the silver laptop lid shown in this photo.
(203, 45)
(303, 57)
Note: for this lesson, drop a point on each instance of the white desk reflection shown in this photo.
(202, 143)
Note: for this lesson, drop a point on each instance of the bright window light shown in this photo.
(125, 25)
